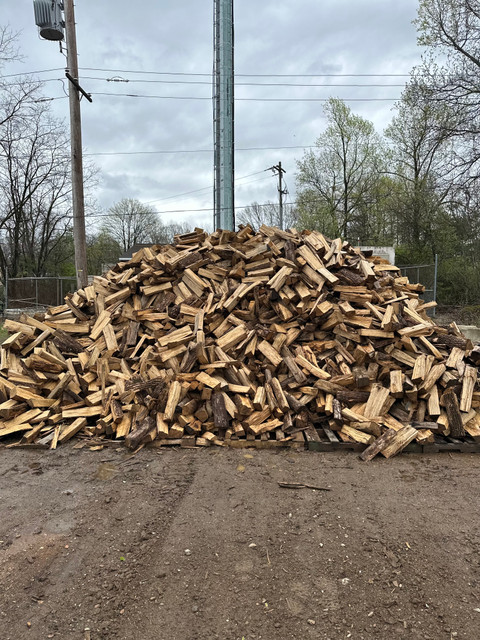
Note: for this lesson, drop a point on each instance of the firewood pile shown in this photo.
(275, 336)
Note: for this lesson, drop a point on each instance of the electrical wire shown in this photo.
(175, 151)
(237, 84)
(208, 75)
(255, 75)
(187, 193)
(209, 209)
(133, 95)
(178, 151)
(205, 83)
(30, 73)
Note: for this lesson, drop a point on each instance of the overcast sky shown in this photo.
(120, 38)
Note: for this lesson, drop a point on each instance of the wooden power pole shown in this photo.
(76, 149)
(278, 170)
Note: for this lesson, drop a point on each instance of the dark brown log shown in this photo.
(352, 397)
(432, 426)
(221, 417)
(451, 341)
(66, 343)
(131, 339)
(294, 404)
(350, 277)
(135, 437)
(154, 387)
(290, 249)
(454, 416)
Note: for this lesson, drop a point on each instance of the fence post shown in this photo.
(435, 283)
(6, 289)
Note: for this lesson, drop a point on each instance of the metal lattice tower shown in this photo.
(224, 108)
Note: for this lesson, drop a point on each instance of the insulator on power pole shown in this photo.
(49, 19)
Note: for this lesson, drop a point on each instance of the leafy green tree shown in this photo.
(61, 260)
(338, 181)
(102, 251)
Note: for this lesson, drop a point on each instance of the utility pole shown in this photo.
(49, 19)
(224, 105)
(278, 170)
(78, 197)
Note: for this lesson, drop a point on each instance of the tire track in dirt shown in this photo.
(96, 525)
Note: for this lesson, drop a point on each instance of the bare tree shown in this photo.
(450, 29)
(421, 164)
(15, 94)
(131, 222)
(166, 232)
(35, 186)
(34, 189)
(268, 214)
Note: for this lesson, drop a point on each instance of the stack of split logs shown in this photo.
(277, 336)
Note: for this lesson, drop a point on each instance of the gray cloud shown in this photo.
(305, 37)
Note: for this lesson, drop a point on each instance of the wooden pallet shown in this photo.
(328, 441)
(465, 445)
(264, 444)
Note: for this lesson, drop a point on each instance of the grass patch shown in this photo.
(3, 334)
(470, 314)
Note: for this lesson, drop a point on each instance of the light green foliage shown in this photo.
(337, 183)
(3, 334)
(102, 251)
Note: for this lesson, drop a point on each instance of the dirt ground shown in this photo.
(204, 544)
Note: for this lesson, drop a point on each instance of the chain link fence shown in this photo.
(37, 293)
(426, 274)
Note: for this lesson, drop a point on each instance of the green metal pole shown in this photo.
(224, 189)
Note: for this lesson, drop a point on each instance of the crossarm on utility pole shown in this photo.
(78, 87)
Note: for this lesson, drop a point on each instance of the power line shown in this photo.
(38, 100)
(180, 151)
(238, 84)
(175, 151)
(208, 75)
(255, 75)
(134, 95)
(244, 184)
(187, 193)
(206, 210)
(30, 73)
(206, 83)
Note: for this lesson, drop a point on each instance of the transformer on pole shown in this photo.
(224, 107)
(49, 19)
